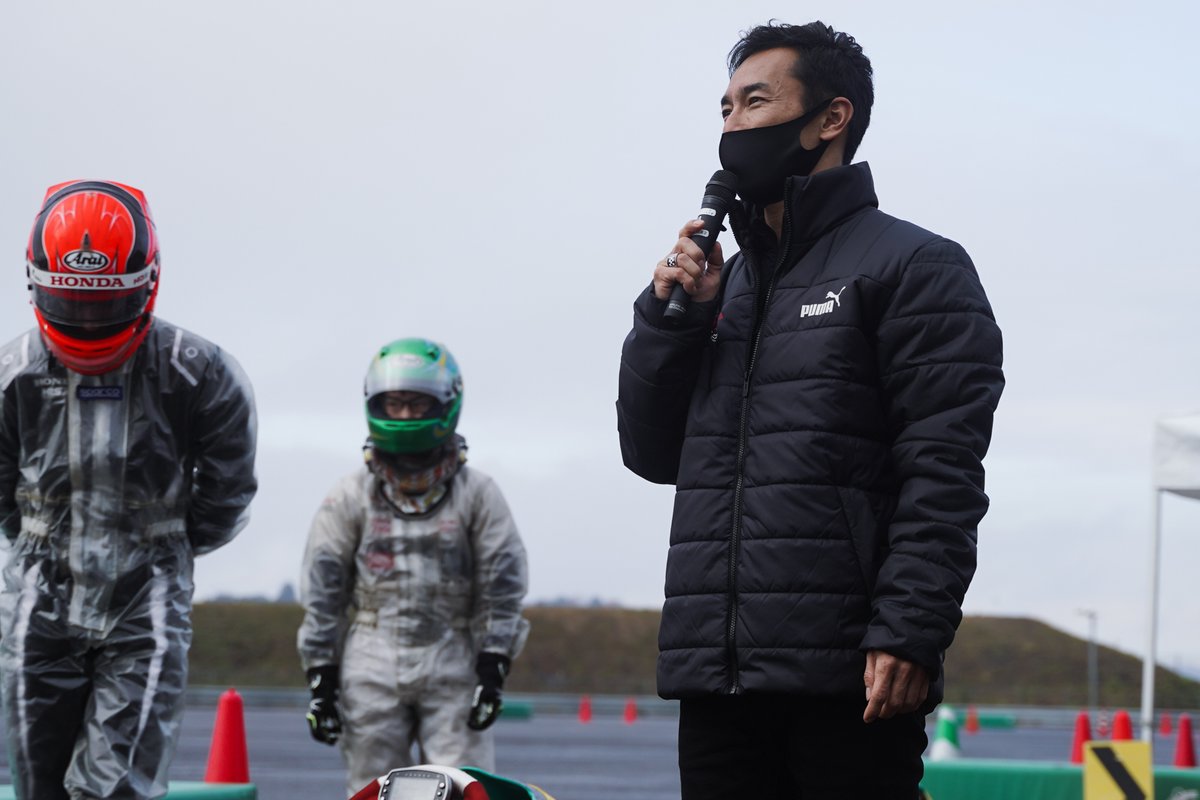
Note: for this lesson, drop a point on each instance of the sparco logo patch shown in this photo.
(85, 260)
(99, 392)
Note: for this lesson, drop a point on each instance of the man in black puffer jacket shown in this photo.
(823, 409)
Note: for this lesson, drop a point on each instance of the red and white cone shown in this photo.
(1083, 735)
(1185, 748)
(1122, 729)
(228, 760)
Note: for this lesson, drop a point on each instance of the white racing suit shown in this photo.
(109, 485)
(422, 596)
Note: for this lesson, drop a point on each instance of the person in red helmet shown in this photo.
(126, 449)
(92, 262)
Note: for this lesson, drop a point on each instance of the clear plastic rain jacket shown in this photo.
(422, 595)
(109, 485)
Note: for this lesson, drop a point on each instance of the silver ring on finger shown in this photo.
(672, 259)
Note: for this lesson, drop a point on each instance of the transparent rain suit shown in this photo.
(109, 485)
(422, 595)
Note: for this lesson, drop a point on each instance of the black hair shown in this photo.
(828, 63)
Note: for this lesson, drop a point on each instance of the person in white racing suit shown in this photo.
(126, 448)
(412, 583)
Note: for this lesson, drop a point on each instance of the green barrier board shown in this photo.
(185, 790)
(991, 720)
(987, 719)
(980, 779)
(516, 710)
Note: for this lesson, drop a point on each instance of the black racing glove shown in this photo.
(324, 722)
(491, 669)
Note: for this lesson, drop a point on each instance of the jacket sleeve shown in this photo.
(658, 373)
(501, 573)
(223, 482)
(327, 575)
(10, 437)
(940, 356)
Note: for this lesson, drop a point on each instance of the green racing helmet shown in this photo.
(413, 365)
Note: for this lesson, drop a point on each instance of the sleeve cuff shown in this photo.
(698, 317)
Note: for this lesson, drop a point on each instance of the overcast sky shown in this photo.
(329, 176)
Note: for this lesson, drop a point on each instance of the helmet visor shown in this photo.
(92, 304)
(388, 405)
(412, 373)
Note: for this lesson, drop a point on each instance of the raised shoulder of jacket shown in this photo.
(183, 354)
(904, 242)
(944, 252)
(469, 479)
(477, 489)
(350, 496)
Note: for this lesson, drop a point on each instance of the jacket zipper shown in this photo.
(735, 534)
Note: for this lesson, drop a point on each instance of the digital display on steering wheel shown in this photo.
(414, 784)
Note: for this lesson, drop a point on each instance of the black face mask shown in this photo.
(763, 158)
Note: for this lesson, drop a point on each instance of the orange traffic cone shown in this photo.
(1083, 734)
(1164, 724)
(1122, 730)
(228, 761)
(972, 723)
(1185, 749)
(631, 713)
(585, 709)
(1102, 724)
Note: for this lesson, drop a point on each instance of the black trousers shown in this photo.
(789, 747)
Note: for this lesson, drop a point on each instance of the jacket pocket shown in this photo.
(866, 515)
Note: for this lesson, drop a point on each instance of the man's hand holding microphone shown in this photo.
(692, 270)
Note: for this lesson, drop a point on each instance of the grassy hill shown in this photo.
(1020, 661)
(995, 660)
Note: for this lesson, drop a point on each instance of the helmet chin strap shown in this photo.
(413, 505)
(414, 490)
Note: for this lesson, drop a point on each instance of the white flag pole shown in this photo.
(1177, 471)
(1151, 656)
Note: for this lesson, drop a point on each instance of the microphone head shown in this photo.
(722, 183)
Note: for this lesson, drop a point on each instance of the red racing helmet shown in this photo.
(93, 263)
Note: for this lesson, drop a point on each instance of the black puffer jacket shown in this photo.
(825, 430)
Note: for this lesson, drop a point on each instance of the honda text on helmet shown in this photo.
(413, 365)
(92, 263)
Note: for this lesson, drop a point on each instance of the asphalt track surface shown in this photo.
(605, 759)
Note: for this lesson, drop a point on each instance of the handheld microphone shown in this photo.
(718, 197)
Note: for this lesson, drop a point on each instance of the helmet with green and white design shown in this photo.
(413, 365)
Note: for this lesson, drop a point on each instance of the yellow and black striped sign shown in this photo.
(1117, 771)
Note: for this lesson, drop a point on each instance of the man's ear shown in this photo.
(836, 119)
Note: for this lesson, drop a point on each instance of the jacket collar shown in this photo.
(815, 205)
